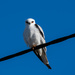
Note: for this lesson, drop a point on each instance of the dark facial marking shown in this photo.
(27, 22)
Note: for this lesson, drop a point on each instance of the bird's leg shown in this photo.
(33, 46)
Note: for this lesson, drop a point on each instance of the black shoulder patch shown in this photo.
(39, 30)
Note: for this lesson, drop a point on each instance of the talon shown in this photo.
(33, 46)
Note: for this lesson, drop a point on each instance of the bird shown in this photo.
(33, 36)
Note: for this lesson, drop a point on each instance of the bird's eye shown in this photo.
(32, 21)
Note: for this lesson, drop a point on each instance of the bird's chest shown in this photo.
(32, 34)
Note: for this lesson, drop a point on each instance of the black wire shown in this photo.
(37, 47)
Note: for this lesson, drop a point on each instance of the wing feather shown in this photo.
(40, 30)
(42, 34)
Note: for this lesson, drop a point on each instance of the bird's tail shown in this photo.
(48, 66)
(43, 58)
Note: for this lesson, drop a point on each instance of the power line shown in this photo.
(37, 47)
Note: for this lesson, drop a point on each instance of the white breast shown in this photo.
(31, 36)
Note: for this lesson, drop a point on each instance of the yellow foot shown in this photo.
(33, 46)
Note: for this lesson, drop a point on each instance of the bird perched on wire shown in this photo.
(33, 36)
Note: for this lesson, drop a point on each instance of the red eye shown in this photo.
(32, 21)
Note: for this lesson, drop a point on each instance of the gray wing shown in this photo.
(42, 34)
(40, 30)
(43, 57)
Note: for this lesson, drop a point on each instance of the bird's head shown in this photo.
(30, 21)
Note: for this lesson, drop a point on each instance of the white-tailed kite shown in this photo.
(33, 36)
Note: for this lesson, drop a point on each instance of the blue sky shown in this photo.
(56, 17)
